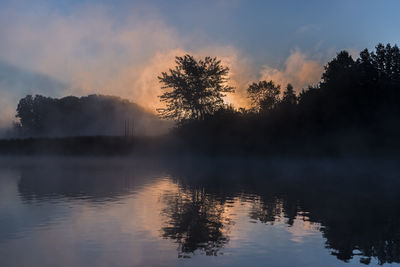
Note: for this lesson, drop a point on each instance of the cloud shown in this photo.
(89, 50)
(147, 85)
(92, 51)
(299, 70)
(241, 70)
(308, 28)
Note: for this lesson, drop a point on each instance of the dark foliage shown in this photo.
(354, 109)
(85, 116)
(197, 88)
(264, 95)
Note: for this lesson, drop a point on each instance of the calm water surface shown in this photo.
(199, 212)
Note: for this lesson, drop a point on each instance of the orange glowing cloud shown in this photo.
(90, 51)
(299, 70)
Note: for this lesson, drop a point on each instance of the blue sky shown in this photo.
(119, 47)
(273, 28)
(269, 29)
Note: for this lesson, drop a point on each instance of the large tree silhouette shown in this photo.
(195, 88)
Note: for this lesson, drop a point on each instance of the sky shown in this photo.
(70, 47)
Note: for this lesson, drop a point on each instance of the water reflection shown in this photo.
(355, 204)
(96, 180)
(196, 221)
(226, 208)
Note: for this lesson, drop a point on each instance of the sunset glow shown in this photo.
(199, 133)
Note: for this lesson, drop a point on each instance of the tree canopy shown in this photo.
(90, 115)
(194, 88)
(264, 95)
(289, 95)
(355, 106)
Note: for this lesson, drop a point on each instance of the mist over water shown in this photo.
(198, 211)
(199, 133)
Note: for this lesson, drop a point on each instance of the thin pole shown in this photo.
(128, 128)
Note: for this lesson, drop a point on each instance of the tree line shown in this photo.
(355, 105)
(92, 115)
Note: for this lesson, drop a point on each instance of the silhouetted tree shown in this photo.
(337, 67)
(35, 114)
(90, 115)
(25, 113)
(197, 88)
(289, 96)
(264, 95)
(354, 106)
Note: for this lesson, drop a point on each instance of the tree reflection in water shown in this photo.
(357, 209)
(356, 204)
(196, 221)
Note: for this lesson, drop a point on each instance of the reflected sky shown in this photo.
(131, 212)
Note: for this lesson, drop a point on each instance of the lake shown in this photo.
(199, 212)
